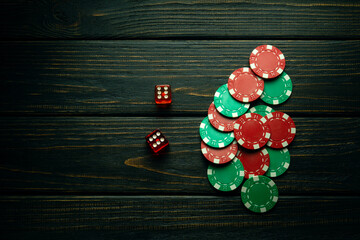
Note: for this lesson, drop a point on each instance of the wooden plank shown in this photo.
(181, 19)
(149, 217)
(118, 77)
(108, 155)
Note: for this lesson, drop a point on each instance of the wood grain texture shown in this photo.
(118, 77)
(169, 217)
(73, 116)
(158, 19)
(108, 155)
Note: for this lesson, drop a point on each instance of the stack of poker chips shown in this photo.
(243, 142)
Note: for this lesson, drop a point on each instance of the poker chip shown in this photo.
(267, 61)
(219, 121)
(227, 105)
(213, 137)
(228, 125)
(277, 90)
(279, 162)
(282, 128)
(252, 131)
(263, 110)
(226, 177)
(244, 85)
(255, 162)
(259, 194)
(219, 155)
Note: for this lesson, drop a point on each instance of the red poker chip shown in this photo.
(255, 162)
(244, 85)
(267, 61)
(219, 121)
(252, 131)
(219, 155)
(282, 128)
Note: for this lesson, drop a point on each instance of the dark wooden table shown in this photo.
(77, 81)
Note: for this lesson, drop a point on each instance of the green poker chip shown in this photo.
(277, 90)
(214, 138)
(279, 161)
(263, 110)
(226, 177)
(227, 105)
(259, 194)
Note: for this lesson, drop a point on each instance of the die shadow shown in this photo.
(163, 110)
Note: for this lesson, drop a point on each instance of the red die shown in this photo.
(156, 140)
(162, 94)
